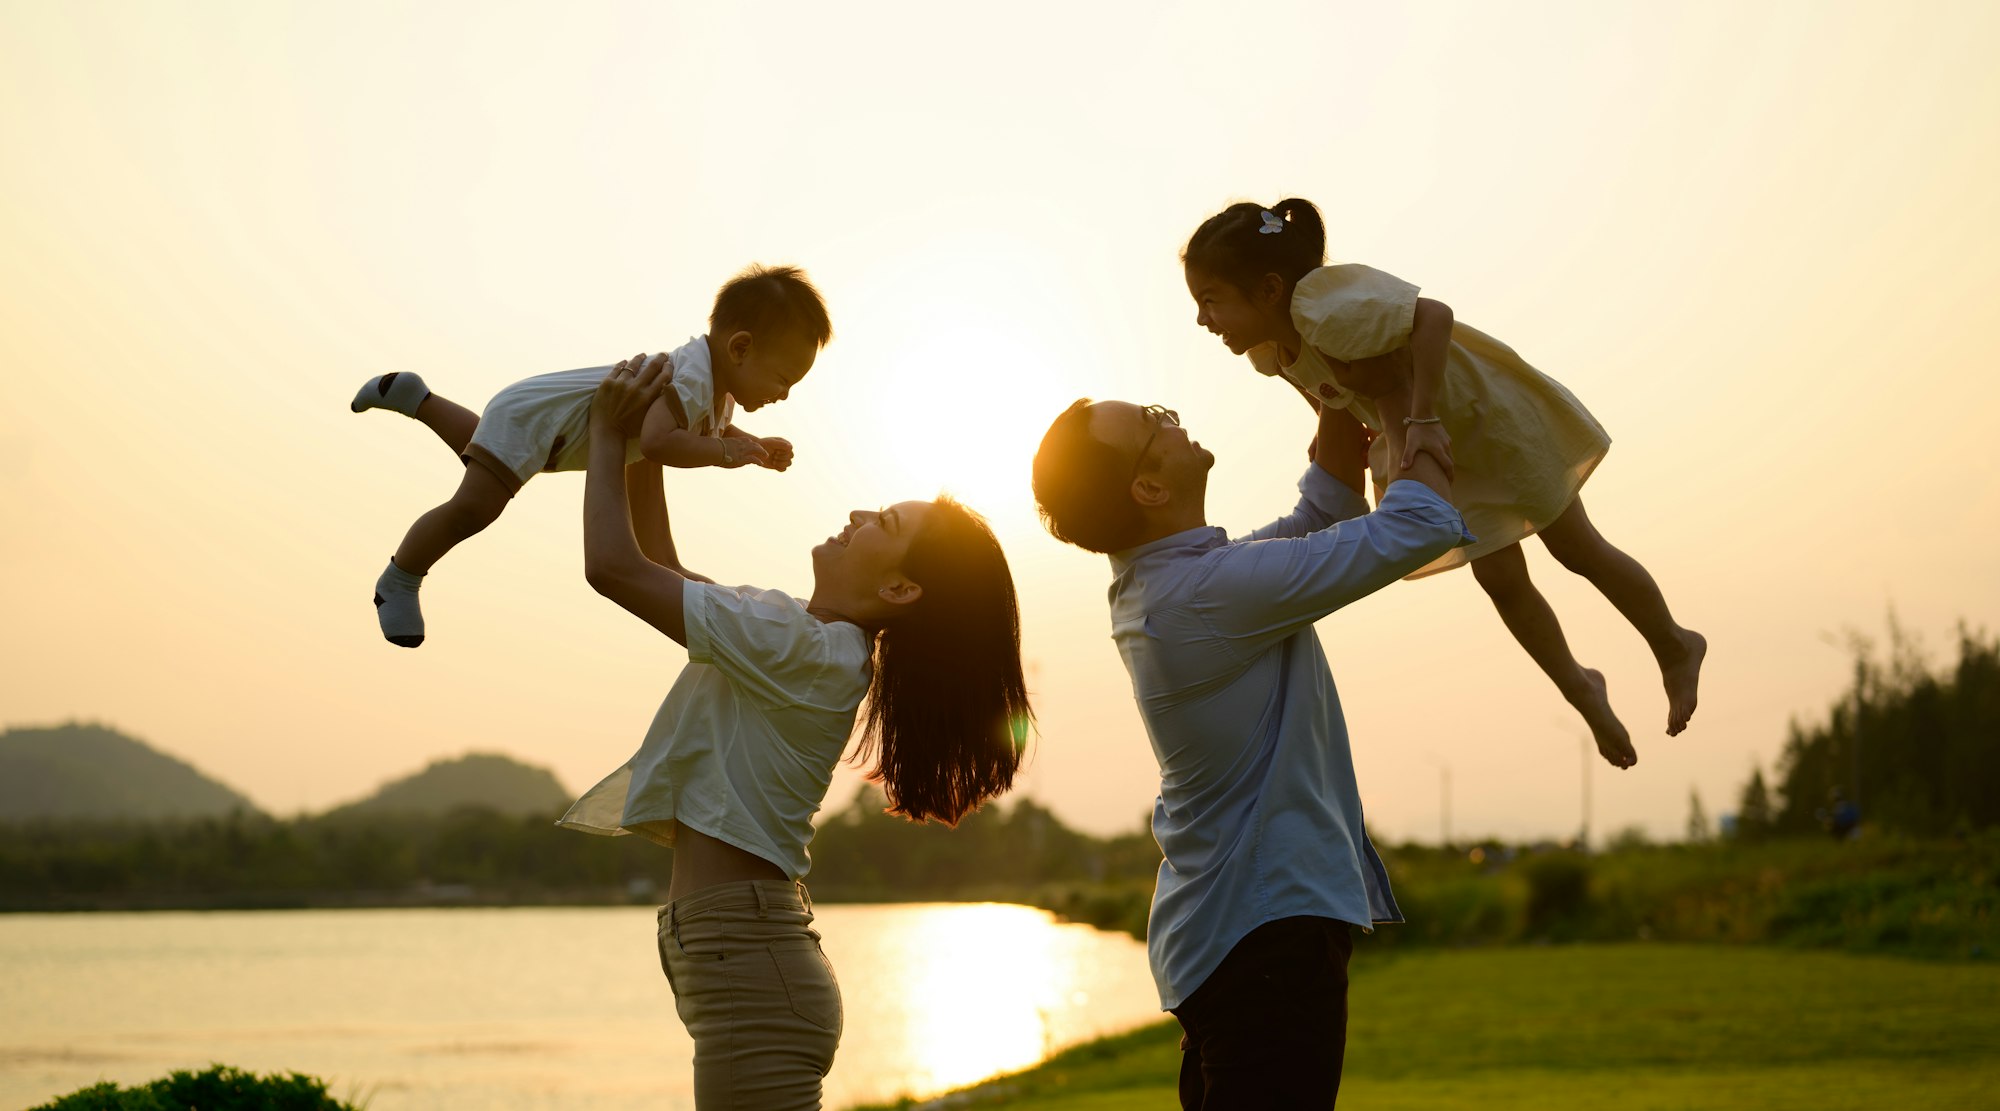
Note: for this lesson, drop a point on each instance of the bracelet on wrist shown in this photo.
(1423, 420)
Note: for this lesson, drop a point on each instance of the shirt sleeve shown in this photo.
(694, 389)
(764, 641)
(1259, 591)
(1350, 311)
(1323, 500)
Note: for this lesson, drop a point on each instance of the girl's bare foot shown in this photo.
(1682, 678)
(1613, 742)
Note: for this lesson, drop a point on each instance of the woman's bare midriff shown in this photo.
(701, 861)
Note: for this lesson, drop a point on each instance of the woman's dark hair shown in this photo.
(767, 300)
(1083, 486)
(948, 712)
(1233, 245)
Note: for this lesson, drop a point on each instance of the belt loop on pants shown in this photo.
(763, 907)
(805, 897)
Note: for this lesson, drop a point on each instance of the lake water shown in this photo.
(528, 1007)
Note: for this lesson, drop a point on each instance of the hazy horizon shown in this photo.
(1757, 243)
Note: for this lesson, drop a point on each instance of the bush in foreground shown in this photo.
(218, 1088)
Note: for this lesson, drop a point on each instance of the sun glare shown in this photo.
(960, 385)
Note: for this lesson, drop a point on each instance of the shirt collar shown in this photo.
(1197, 539)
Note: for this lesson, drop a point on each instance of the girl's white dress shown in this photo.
(1521, 444)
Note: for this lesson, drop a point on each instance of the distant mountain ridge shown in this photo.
(92, 772)
(79, 771)
(477, 779)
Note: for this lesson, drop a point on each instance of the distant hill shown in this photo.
(89, 771)
(477, 779)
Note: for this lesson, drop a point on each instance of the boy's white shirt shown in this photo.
(543, 423)
(694, 387)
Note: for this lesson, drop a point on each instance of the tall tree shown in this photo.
(1753, 812)
(1697, 827)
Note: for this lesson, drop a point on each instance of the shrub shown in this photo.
(219, 1088)
(1558, 894)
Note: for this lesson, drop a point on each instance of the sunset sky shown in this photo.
(1750, 237)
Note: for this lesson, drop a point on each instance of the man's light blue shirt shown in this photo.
(1258, 815)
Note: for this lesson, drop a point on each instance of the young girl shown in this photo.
(912, 606)
(1517, 445)
(767, 326)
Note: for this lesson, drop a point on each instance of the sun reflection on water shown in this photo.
(971, 991)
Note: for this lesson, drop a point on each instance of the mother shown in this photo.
(913, 607)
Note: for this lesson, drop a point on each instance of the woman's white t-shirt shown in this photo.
(744, 747)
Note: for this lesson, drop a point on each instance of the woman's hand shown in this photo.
(626, 393)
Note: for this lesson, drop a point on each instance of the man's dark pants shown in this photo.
(1268, 1028)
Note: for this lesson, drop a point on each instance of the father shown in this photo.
(1267, 862)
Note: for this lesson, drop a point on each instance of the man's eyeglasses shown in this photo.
(1160, 417)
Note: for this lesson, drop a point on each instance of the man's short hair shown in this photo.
(771, 301)
(1083, 486)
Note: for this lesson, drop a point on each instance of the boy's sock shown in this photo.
(402, 391)
(396, 606)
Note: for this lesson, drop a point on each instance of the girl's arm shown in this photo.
(613, 563)
(1430, 337)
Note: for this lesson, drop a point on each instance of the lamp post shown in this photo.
(1583, 834)
(1583, 838)
(1444, 798)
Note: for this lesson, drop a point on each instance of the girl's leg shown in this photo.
(1504, 576)
(478, 502)
(1577, 545)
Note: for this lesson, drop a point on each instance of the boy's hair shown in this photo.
(1233, 245)
(1082, 488)
(765, 300)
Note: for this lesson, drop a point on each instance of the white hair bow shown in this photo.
(1273, 223)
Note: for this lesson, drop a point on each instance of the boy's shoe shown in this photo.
(402, 391)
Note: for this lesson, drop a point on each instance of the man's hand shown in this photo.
(777, 452)
(622, 398)
(1341, 448)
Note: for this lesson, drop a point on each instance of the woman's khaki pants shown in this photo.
(755, 992)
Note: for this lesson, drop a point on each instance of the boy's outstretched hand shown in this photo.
(777, 452)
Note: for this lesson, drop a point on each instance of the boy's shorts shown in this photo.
(537, 424)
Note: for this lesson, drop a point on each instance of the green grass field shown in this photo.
(1612, 1027)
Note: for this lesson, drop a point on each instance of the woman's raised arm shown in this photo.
(613, 563)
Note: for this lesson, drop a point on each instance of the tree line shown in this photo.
(1907, 747)
(478, 855)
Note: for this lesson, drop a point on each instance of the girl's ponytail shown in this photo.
(1242, 243)
(1302, 218)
